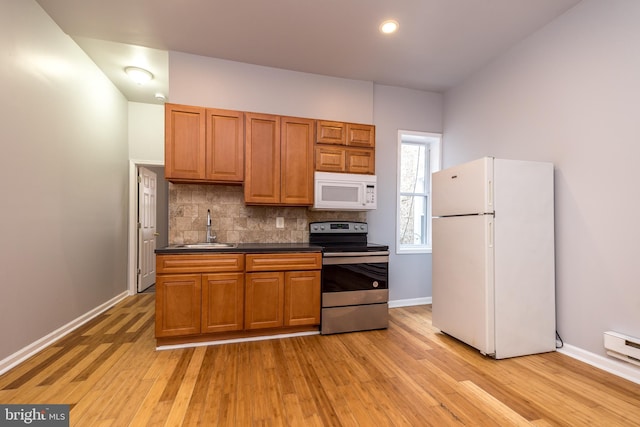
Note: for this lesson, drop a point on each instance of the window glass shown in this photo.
(418, 157)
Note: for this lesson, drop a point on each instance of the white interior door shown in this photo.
(147, 228)
(463, 283)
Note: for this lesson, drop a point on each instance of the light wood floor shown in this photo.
(407, 375)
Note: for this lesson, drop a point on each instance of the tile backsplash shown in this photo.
(234, 222)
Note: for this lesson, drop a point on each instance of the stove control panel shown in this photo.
(344, 227)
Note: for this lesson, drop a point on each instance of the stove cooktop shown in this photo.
(342, 236)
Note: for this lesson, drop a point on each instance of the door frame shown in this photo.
(133, 221)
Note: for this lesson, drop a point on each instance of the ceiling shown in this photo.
(439, 42)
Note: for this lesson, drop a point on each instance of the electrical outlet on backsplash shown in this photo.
(234, 222)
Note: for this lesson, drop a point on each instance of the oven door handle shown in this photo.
(356, 254)
(355, 260)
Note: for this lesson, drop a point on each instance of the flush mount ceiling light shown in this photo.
(138, 75)
(389, 26)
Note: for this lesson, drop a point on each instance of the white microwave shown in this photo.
(344, 191)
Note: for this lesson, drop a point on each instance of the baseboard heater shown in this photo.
(622, 347)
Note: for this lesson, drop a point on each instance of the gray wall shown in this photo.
(63, 176)
(211, 82)
(569, 95)
(400, 109)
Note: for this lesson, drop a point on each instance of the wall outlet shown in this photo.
(279, 222)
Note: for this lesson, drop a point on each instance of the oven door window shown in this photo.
(354, 277)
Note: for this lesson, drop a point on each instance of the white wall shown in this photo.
(210, 82)
(569, 95)
(63, 179)
(400, 109)
(146, 132)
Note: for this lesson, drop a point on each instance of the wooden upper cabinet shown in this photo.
(361, 135)
(203, 144)
(330, 159)
(184, 142)
(262, 162)
(296, 174)
(331, 132)
(339, 133)
(360, 161)
(224, 145)
(345, 147)
(279, 160)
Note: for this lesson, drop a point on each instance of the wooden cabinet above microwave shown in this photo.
(345, 147)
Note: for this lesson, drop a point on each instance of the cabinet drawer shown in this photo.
(284, 262)
(199, 263)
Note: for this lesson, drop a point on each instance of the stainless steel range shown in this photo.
(355, 275)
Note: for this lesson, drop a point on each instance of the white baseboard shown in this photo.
(613, 366)
(28, 351)
(236, 340)
(409, 302)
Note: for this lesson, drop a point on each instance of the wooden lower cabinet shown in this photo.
(201, 296)
(276, 299)
(178, 301)
(264, 300)
(282, 290)
(301, 298)
(222, 302)
(199, 293)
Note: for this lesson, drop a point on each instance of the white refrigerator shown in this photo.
(493, 256)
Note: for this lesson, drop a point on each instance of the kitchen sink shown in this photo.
(207, 246)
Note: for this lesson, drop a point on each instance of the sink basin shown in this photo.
(207, 246)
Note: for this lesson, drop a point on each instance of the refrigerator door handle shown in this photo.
(490, 194)
(490, 231)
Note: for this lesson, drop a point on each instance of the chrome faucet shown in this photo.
(210, 237)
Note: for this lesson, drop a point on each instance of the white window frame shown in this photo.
(433, 143)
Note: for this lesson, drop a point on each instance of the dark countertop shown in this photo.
(244, 248)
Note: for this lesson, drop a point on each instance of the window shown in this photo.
(418, 157)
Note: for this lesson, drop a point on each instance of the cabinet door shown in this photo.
(296, 186)
(361, 161)
(264, 300)
(262, 163)
(222, 302)
(178, 302)
(331, 132)
(301, 298)
(330, 159)
(184, 142)
(224, 145)
(361, 135)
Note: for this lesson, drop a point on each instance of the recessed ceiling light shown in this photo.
(389, 26)
(138, 75)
